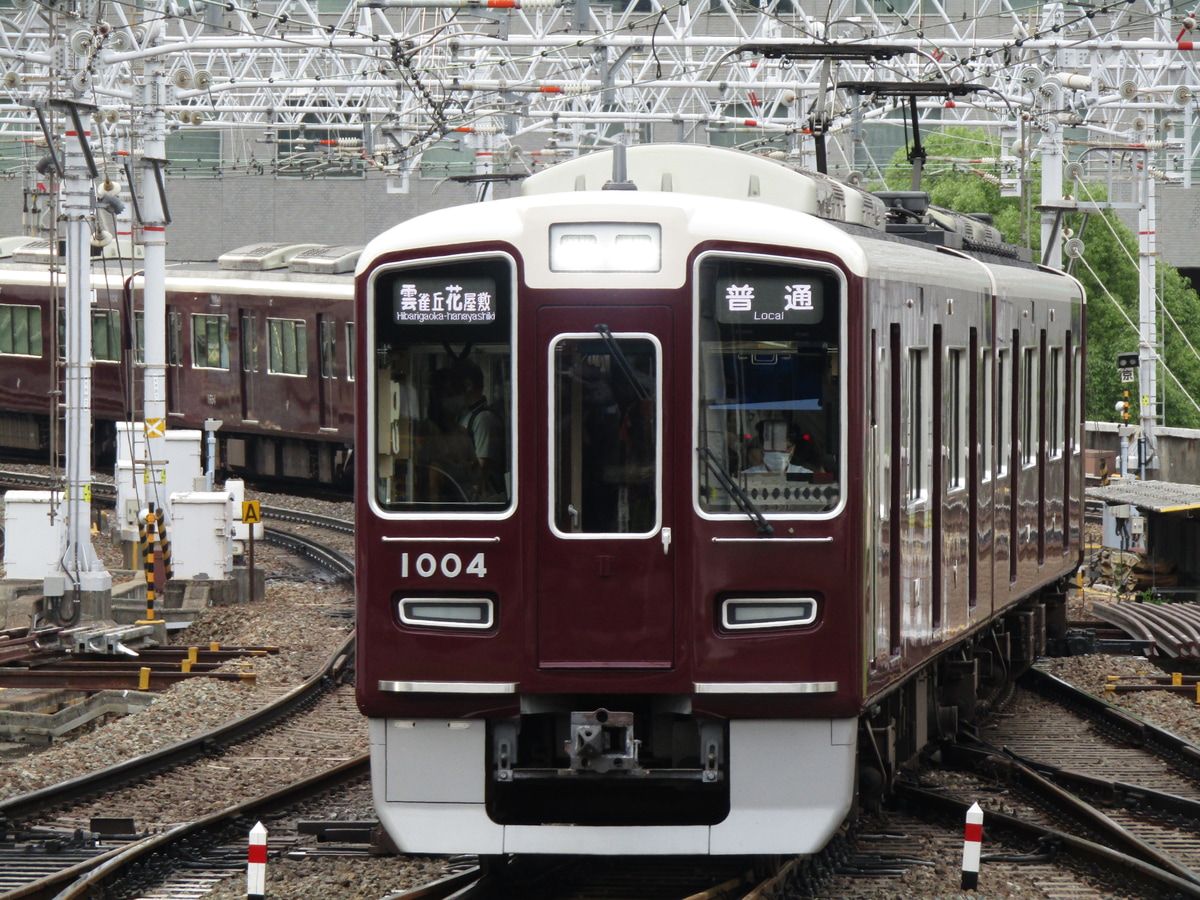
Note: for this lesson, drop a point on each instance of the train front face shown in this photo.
(606, 534)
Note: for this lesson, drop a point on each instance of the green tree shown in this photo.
(1107, 271)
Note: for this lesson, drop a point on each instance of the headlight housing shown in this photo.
(475, 613)
(745, 613)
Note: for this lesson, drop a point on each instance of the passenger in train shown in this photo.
(486, 431)
(445, 452)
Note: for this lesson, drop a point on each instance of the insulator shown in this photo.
(1031, 77)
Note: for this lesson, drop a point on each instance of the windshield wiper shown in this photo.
(622, 361)
(745, 504)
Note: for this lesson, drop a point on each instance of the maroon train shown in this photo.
(686, 510)
(262, 341)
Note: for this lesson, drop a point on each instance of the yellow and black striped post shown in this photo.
(148, 561)
(164, 544)
(142, 539)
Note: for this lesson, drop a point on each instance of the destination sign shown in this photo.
(441, 301)
(778, 298)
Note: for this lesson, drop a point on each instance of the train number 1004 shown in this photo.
(450, 565)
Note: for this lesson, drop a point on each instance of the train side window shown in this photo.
(106, 335)
(956, 434)
(1028, 409)
(917, 424)
(1054, 411)
(1003, 412)
(210, 341)
(287, 347)
(249, 339)
(605, 435)
(328, 338)
(174, 338)
(986, 401)
(20, 330)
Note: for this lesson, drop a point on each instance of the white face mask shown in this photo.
(775, 461)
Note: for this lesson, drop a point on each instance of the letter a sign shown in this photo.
(251, 514)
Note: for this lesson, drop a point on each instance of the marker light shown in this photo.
(447, 612)
(774, 612)
(606, 247)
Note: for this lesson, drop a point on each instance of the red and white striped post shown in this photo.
(256, 866)
(972, 844)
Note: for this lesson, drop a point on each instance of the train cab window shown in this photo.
(444, 406)
(605, 442)
(770, 397)
(210, 342)
(287, 347)
(20, 330)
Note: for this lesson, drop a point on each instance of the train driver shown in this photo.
(779, 440)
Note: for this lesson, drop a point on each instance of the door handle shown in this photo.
(666, 539)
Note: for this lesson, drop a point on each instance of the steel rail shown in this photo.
(1017, 771)
(1105, 857)
(1179, 751)
(76, 789)
(326, 557)
(75, 883)
(343, 526)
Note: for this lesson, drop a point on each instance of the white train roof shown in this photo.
(690, 168)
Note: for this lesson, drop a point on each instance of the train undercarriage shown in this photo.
(952, 692)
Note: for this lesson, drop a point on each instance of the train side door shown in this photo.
(606, 576)
(248, 329)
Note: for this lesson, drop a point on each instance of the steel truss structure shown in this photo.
(522, 82)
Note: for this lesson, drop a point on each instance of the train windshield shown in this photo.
(444, 405)
(769, 416)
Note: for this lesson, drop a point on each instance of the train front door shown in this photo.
(606, 567)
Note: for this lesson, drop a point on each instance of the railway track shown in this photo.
(592, 878)
(310, 729)
(93, 830)
(1064, 769)
(861, 862)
